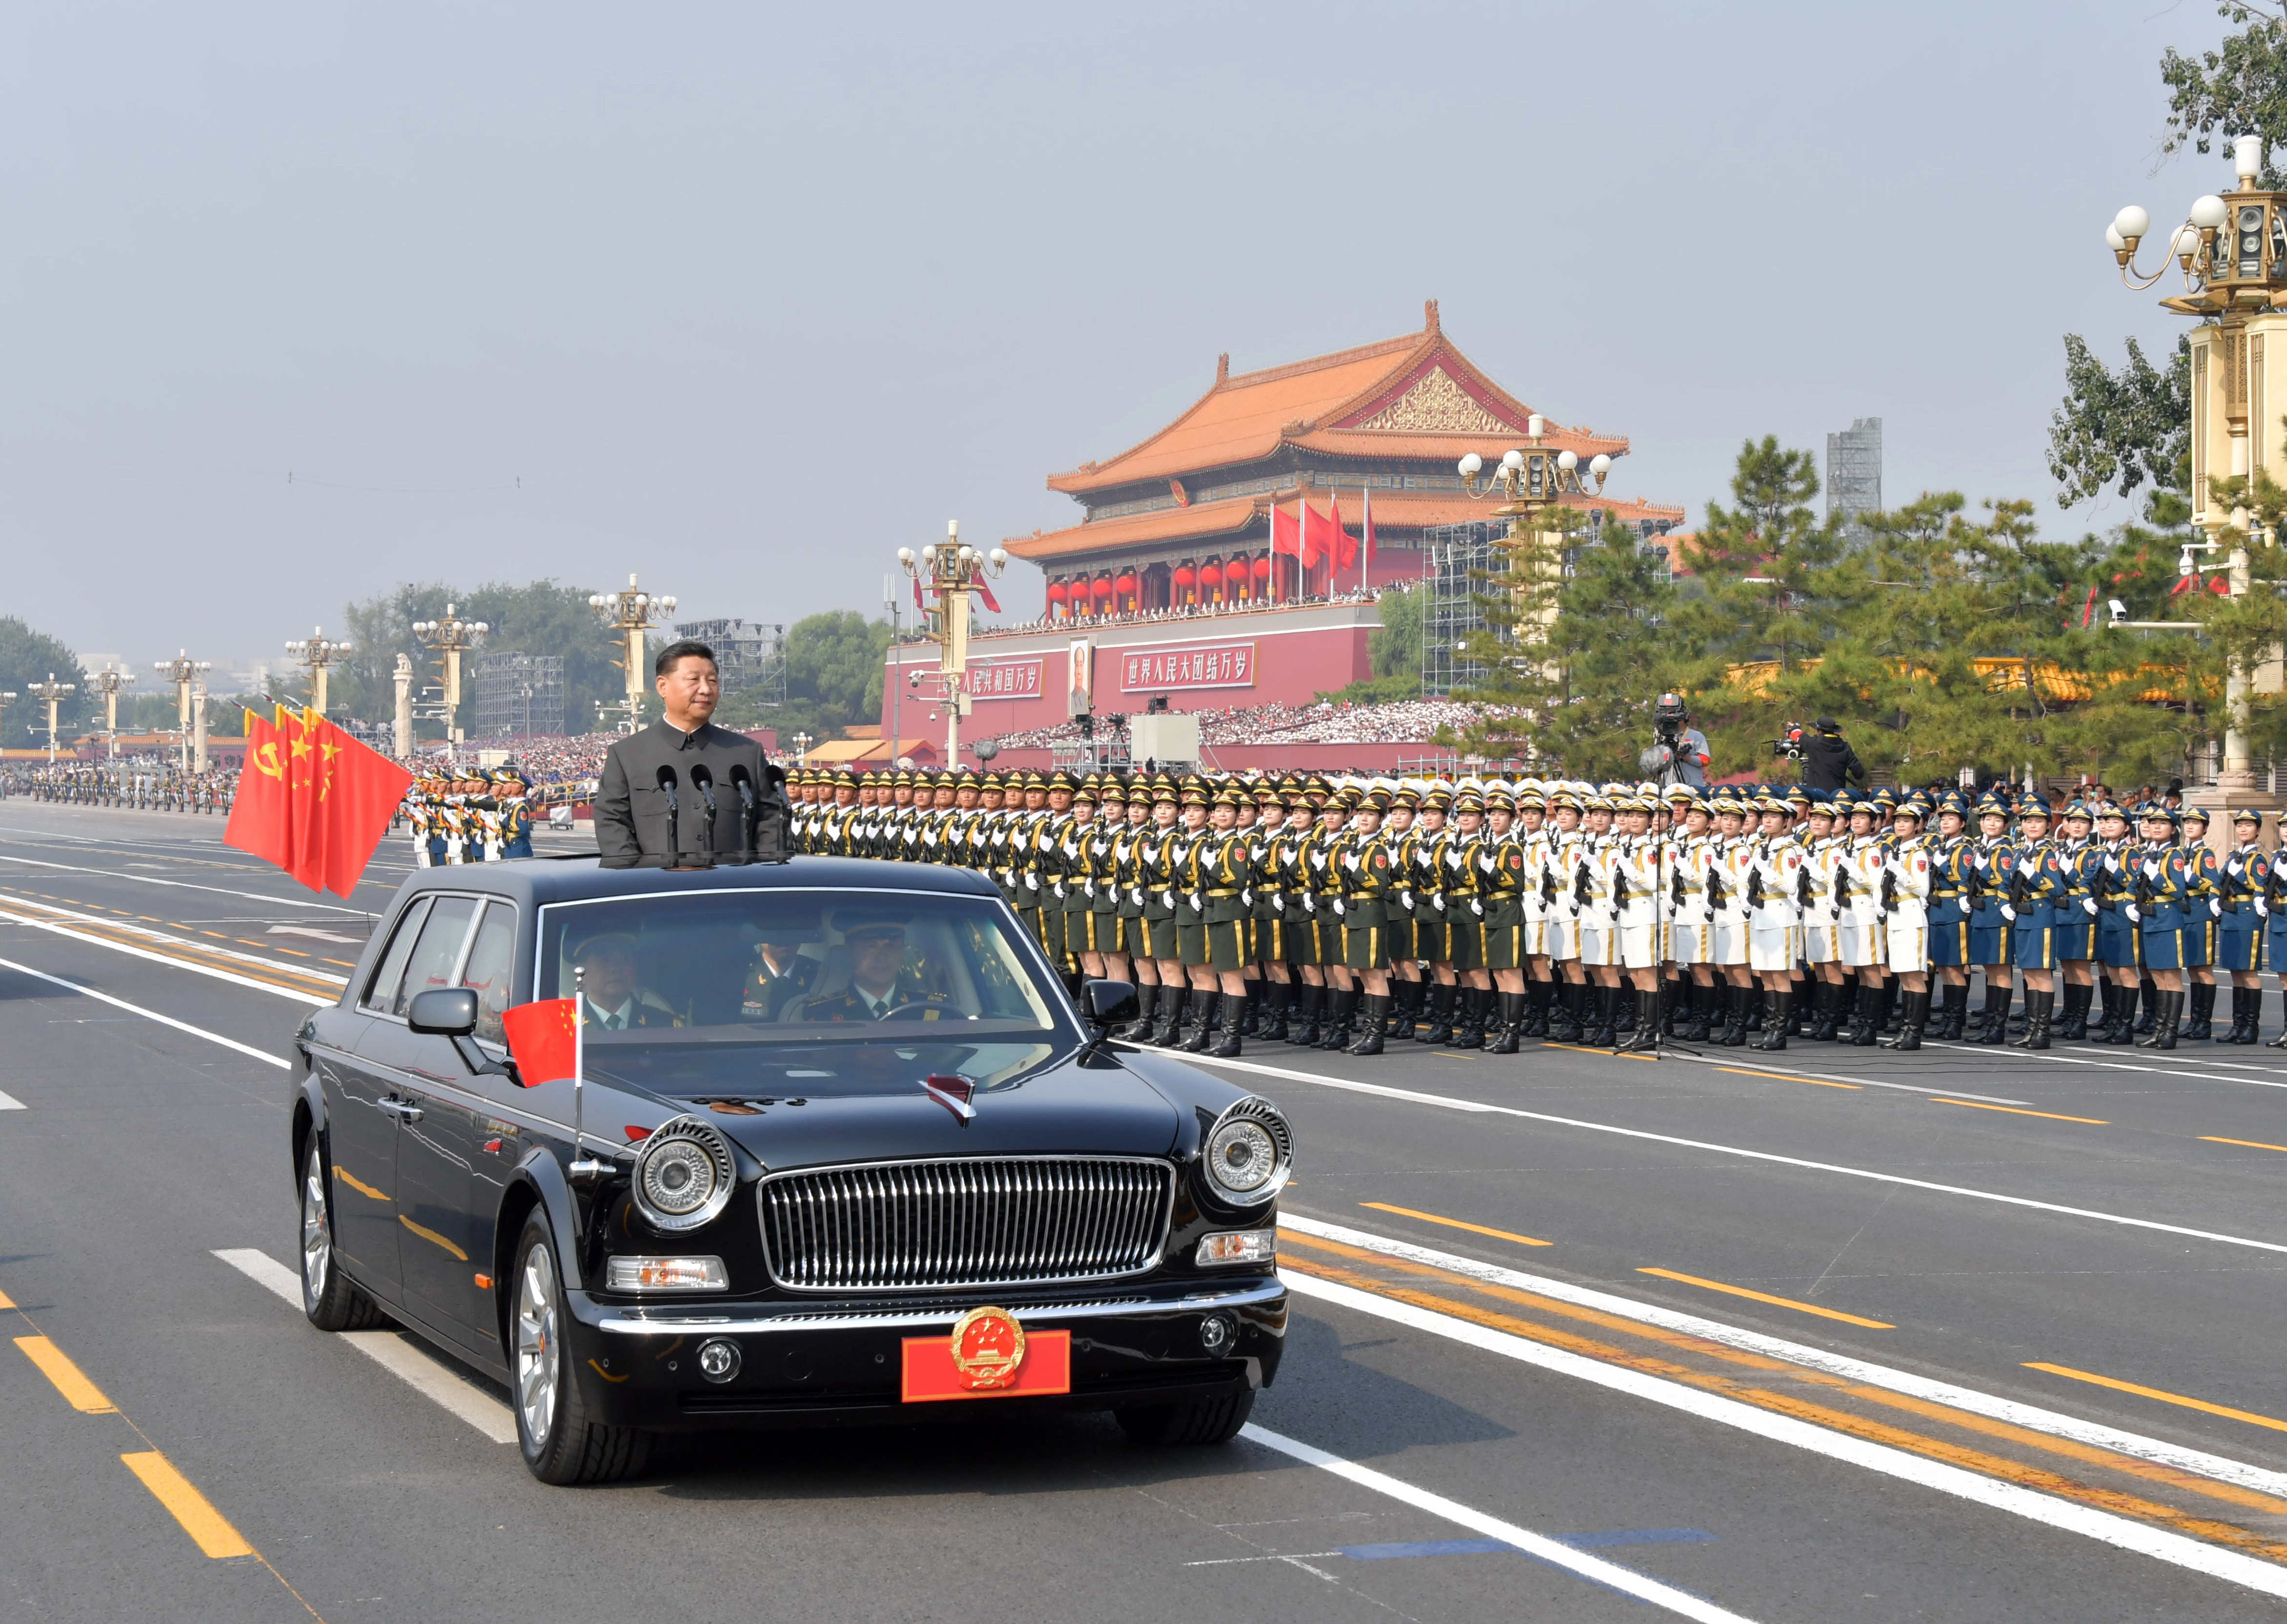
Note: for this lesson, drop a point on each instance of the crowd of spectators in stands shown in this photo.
(1046, 622)
(1406, 722)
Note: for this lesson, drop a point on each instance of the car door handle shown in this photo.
(399, 1108)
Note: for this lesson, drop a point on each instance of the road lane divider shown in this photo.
(2210, 1139)
(403, 1357)
(2030, 1057)
(2096, 1435)
(264, 1055)
(2128, 1522)
(9, 1102)
(166, 939)
(1483, 1108)
(68, 1379)
(208, 1528)
(1555, 1552)
(131, 951)
(2015, 1110)
(185, 885)
(2162, 1395)
(1843, 1079)
(1765, 1297)
(1477, 1229)
(1788, 1077)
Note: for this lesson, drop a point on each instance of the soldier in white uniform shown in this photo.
(1775, 911)
(1906, 891)
(1729, 861)
(1865, 858)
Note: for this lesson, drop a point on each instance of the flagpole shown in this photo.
(581, 1167)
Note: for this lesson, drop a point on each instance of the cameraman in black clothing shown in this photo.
(1828, 760)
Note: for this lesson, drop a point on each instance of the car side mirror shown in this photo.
(1111, 1003)
(444, 1012)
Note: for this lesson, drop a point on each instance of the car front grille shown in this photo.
(951, 1224)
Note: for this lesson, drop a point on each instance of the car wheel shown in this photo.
(1203, 1420)
(331, 1302)
(560, 1444)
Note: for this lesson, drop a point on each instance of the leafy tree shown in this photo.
(2240, 88)
(834, 664)
(28, 657)
(2132, 426)
(1519, 606)
(542, 617)
(1394, 648)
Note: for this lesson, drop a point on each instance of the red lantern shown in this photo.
(1262, 566)
(1211, 582)
(1123, 592)
(1100, 588)
(1184, 579)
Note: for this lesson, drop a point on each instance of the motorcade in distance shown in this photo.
(841, 1148)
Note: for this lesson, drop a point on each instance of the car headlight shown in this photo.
(1250, 1152)
(684, 1175)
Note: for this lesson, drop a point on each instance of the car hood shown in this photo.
(810, 1107)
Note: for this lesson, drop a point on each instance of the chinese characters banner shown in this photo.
(1219, 665)
(1015, 679)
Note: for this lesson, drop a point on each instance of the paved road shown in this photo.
(1832, 1335)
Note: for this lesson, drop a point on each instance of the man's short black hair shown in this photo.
(676, 649)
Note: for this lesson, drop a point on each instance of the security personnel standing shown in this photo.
(515, 816)
(2242, 881)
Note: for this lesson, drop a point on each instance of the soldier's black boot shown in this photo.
(1203, 1021)
(1251, 1007)
(1139, 1030)
(1601, 1035)
(2038, 1007)
(1755, 1014)
(1234, 1019)
(2255, 1015)
(2164, 1021)
(2122, 1029)
(1734, 1035)
(1512, 1024)
(1699, 1008)
(1440, 1030)
(1168, 1029)
(2201, 1027)
(1374, 1020)
(1564, 1013)
(1408, 1020)
(1537, 997)
(1340, 1006)
(1648, 1023)
(1797, 1009)
(1624, 1015)
(1270, 1026)
(2146, 1020)
(1469, 1032)
(1778, 1007)
(1308, 1001)
(1996, 1013)
(2073, 1024)
(1913, 1015)
(1866, 1017)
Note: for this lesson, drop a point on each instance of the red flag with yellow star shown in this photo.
(358, 792)
(261, 819)
(544, 1038)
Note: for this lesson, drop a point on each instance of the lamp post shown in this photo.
(182, 671)
(950, 572)
(629, 614)
(401, 719)
(107, 682)
(802, 743)
(1530, 479)
(2231, 251)
(315, 653)
(450, 637)
(54, 693)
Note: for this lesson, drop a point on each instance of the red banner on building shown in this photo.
(1219, 665)
(1012, 678)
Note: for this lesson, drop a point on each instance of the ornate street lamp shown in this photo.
(629, 614)
(107, 682)
(450, 637)
(315, 653)
(54, 693)
(1530, 479)
(182, 673)
(802, 743)
(951, 573)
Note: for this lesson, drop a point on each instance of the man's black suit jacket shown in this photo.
(631, 808)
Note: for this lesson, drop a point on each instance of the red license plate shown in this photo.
(931, 1374)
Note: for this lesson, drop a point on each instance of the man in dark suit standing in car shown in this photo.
(652, 802)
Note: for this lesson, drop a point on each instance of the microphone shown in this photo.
(703, 781)
(674, 836)
(744, 783)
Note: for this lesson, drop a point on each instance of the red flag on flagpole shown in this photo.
(1286, 539)
(358, 792)
(1369, 524)
(298, 750)
(2088, 610)
(1322, 538)
(260, 818)
(544, 1038)
(1345, 546)
(985, 593)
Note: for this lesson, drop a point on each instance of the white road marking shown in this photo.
(1447, 1102)
(396, 1353)
(1853, 1078)
(2076, 1060)
(2032, 1417)
(145, 931)
(1554, 1552)
(266, 1058)
(2141, 1538)
(306, 930)
(9, 1102)
(185, 885)
(295, 993)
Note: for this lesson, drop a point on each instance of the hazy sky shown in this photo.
(300, 301)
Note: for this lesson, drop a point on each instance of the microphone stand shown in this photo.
(748, 813)
(674, 815)
(704, 782)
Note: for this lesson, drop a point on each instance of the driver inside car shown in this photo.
(612, 1001)
(879, 982)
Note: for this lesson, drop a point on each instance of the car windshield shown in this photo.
(796, 967)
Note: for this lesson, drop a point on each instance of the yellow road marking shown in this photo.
(208, 1528)
(1474, 1229)
(434, 1239)
(2225, 1410)
(2094, 1122)
(1776, 1302)
(1788, 1077)
(1607, 1053)
(358, 1183)
(2250, 1144)
(81, 1394)
(6, 1300)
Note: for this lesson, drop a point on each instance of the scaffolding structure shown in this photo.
(1853, 475)
(1457, 559)
(516, 694)
(749, 655)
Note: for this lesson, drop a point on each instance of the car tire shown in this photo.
(328, 1297)
(1202, 1420)
(560, 1444)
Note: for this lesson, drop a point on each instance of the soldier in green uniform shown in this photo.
(880, 982)
(778, 975)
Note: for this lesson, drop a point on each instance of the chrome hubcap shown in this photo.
(317, 1244)
(536, 1343)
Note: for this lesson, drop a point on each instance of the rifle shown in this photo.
(1755, 887)
(1889, 890)
(1619, 891)
(1717, 894)
(1974, 877)
(1548, 887)
(1583, 889)
(1675, 889)
(1841, 887)
(1802, 888)
(2271, 878)
(2143, 893)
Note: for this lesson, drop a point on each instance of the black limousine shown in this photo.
(840, 1148)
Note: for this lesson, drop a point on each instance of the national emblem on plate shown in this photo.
(988, 1349)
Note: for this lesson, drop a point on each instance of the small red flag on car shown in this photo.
(545, 1039)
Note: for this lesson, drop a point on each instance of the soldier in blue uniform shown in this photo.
(2161, 907)
(2034, 896)
(1949, 913)
(2241, 881)
(2200, 929)
(514, 813)
(1993, 857)
(2080, 863)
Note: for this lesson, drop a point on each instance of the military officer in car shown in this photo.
(880, 982)
(778, 975)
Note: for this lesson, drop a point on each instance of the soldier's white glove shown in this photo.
(2089, 903)
(1059, 888)
(1476, 908)
(1438, 902)
(2134, 917)
(1277, 903)
(1405, 899)
(1309, 903)
(1338, 909)
(2008, 913)
(2262, 908)
(1032, 880)
(1167, 900)
(1197, 906)
(1246, 897)
(1136, 893)
(2215, 908)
